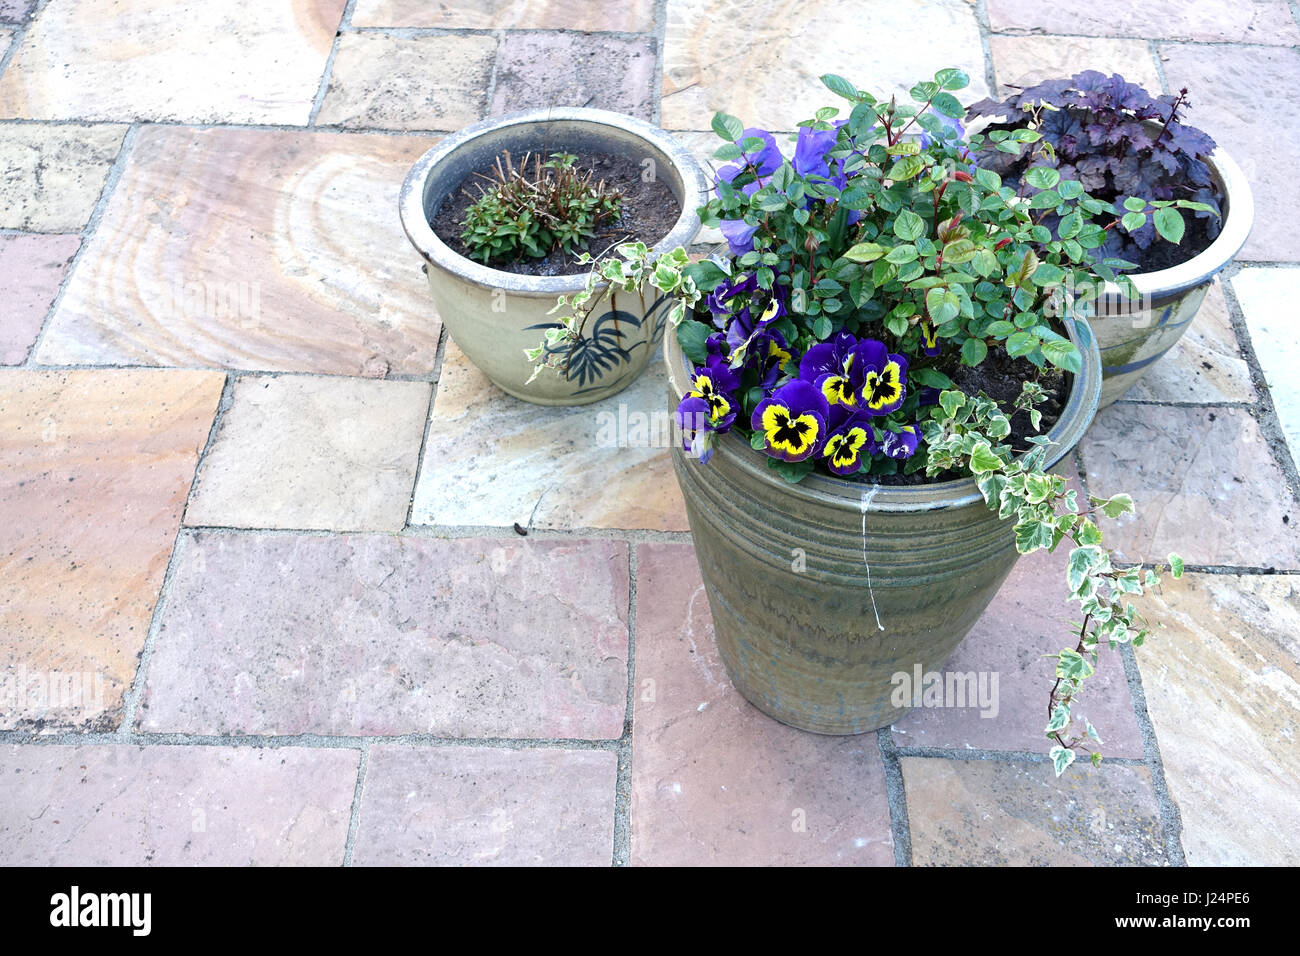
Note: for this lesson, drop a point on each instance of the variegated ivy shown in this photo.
(967, 432)
(631, 269)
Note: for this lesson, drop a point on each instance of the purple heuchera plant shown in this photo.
(1101, 128)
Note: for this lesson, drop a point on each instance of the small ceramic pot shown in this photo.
(494, 315)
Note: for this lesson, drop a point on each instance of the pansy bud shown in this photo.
(811, 243)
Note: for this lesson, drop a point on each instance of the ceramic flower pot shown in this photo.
(494, 315)
(1133, 335)
(822, 591)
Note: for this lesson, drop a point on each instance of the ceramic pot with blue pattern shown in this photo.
(494, 315)
(1134, 334)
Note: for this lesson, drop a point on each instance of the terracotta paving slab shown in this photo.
(210, 62)
(253, 249)
(31, 268)
(491, 459)
(759, 68)
(478, 806)
(1026, 60)
(1205, 367)
(1221, 79)
(1223, 690)
(421, 82)
(94, 470)
(1267, 298)
(379, 634)
(1204, 483)
(716, 782)
(54, 174)
(329, 453)
(631, 16)
(989, 813)
(603, 72)
(1234, 21)
(1012, 641)
(175, 806)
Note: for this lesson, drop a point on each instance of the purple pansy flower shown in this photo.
(902, 443)
(728, 174)
(709, 407)
(715, 384)
(837, 368)
(810, 159)
(739, 235)
(726, 291)
(716, 344)
(929, 339)
(744, 326)
(765, 161)
(810, 151)
(792, 421)
(849, 442)
(775, 357)
(693, 420)
(884, 379)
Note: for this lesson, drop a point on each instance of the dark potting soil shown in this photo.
(649, 213)
(1000, 378)
(1165, 255)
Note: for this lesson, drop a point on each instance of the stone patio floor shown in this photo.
(261, 600)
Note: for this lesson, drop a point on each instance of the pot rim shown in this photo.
(863, 497)
(439, 255)
(1238, 220)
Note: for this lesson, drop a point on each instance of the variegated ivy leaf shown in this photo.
(1130, 581)
(982, 459)
(1072, 665)
(1115, 505)
(1060, 718)
(1062, 757)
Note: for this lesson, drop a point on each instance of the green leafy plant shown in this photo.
(529, 213)
(631, 268)
(1124, 144)
(966, 433)
(861, 275)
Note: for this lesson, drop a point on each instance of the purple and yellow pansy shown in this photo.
(901, 443)
(884, 379)
(792, 421)
(837, 368)
(850, 441)
(929, 339)
(715, 385)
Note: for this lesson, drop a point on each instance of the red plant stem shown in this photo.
(1173, 111)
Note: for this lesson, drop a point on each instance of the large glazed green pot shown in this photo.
(494, 315)
(798, 576)
(1134, 334)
